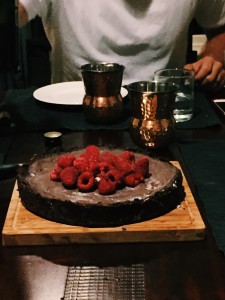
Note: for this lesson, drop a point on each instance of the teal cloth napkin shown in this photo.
(206, 162)
(204, 116)
(30, 114)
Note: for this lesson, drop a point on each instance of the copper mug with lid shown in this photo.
(152, 123)
(102, 102)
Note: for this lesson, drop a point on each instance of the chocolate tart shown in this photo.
(159, 194)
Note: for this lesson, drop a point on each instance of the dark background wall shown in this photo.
(9, 50)
(8, 36)
(24, 53)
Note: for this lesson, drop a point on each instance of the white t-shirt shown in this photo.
(144, 36)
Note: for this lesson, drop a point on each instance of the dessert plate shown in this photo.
(64, 93)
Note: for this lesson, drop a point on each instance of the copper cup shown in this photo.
(102, 102)
(152, 123)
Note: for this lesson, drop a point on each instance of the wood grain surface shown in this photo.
(24, 228)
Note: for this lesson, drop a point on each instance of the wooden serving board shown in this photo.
(24, 228)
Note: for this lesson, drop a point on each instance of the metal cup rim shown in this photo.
(172, 87)
(92, 67)
(189, 72)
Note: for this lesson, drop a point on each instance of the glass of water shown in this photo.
(184, 102)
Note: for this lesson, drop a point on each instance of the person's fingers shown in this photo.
(221, 78)
(213, 76)
(205, 68)
(193, 67)
(209, 73)
(219, 83)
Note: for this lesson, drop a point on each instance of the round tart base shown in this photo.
(161, 193)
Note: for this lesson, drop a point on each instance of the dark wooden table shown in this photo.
(173, 270)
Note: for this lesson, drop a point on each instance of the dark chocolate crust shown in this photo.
(92, 210)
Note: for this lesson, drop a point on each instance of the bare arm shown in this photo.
(23, 16)
(215, 45)
(209, 69)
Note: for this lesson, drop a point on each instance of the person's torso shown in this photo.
(142, 35)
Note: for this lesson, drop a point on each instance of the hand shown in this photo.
(209, 73)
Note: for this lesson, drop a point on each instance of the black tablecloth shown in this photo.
(30, 114)
(206, 162)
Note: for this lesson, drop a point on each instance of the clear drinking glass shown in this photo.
(184, 102)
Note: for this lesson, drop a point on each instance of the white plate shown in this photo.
(66, 93)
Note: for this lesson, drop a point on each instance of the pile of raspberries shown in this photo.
(104, 170)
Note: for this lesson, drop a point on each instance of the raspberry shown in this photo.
(86, 182)
(110, 158)
(69, 177)
(55, 174)
(65, 160)
(81, 165)
(133, 179)
(93, 167)
(100, 176)
(125, 167)
(105, 170)
(142, 166)
(127, 155)
(92, 150)
(115, 177)
(106, 187)
(104, 166)
(83, 156)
